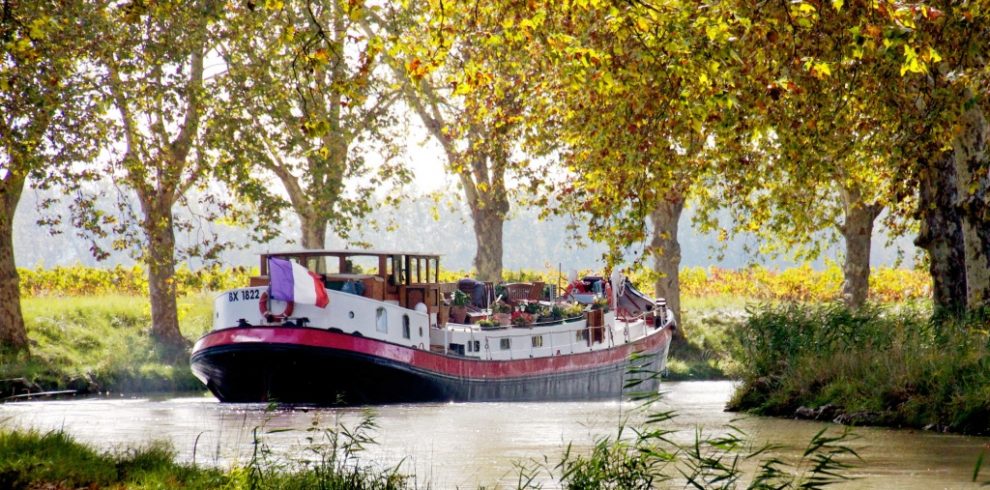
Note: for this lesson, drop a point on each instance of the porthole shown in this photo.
(350, 314)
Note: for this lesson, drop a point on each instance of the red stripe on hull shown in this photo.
(454, 366)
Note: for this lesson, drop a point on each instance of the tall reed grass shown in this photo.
(881, 365)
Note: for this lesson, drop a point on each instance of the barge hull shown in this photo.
(296, 373)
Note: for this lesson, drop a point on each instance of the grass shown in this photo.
(880, 365)
(102, 343)
(708, 325)
(30, 459)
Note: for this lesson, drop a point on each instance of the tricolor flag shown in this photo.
(293, 282)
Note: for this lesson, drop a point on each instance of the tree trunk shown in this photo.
(857, 230)
(160, 260)
(488, 224)
(13, 336)
(973, 196)
(667, 255)
(314, 230)
(941, 233)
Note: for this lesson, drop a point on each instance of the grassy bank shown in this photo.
(32, 460)
(894, 366)
(100, 343)
(708, 324)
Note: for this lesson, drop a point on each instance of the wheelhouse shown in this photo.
(407, 279)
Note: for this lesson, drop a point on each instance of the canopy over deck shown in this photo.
(396, 267)
(303, 252)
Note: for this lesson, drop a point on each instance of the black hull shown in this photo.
(287, 373)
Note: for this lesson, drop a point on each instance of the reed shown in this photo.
(880, 365)
(647, 456)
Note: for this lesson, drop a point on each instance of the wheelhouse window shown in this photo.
(405, 327)
(381, 320)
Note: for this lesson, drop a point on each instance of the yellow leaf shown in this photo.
(821, 70)
(837, 4)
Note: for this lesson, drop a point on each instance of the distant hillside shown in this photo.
(529, 242)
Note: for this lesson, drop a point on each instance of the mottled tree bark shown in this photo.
(488, 225)
(857, 231)
(973, 196)
(941, 232)
(314, 230)
(12, 333)
(160, 260)
(667, 254)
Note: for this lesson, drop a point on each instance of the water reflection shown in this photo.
(471, 444)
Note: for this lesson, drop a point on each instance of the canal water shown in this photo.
(466, 445)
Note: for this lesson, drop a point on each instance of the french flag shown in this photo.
(293, 282)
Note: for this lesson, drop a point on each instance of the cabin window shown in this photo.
(381, 320)
(581, 335)
(420, 331)
(505, 344)
(361, 264)
(405, 326)
(433, 266)
(395, 272)
(476, 344)
(320, 265)
(537, 341)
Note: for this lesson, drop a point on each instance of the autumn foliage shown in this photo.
(802, 283)
(80, 280)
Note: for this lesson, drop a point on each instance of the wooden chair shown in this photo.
(517, 292)
(536, 292)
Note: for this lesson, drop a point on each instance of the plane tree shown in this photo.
(940, 91)
(459, 71)
(151, 64)
(809, 159)
(862, 101)
(46, 122)
(633, 93)
(309, 101)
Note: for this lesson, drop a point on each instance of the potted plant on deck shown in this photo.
(573, 310)
(503, 313)
(521, 319)
(458, 306)
(600, 303)
(487, 324)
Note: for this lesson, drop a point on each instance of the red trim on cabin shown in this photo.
(455, 366)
